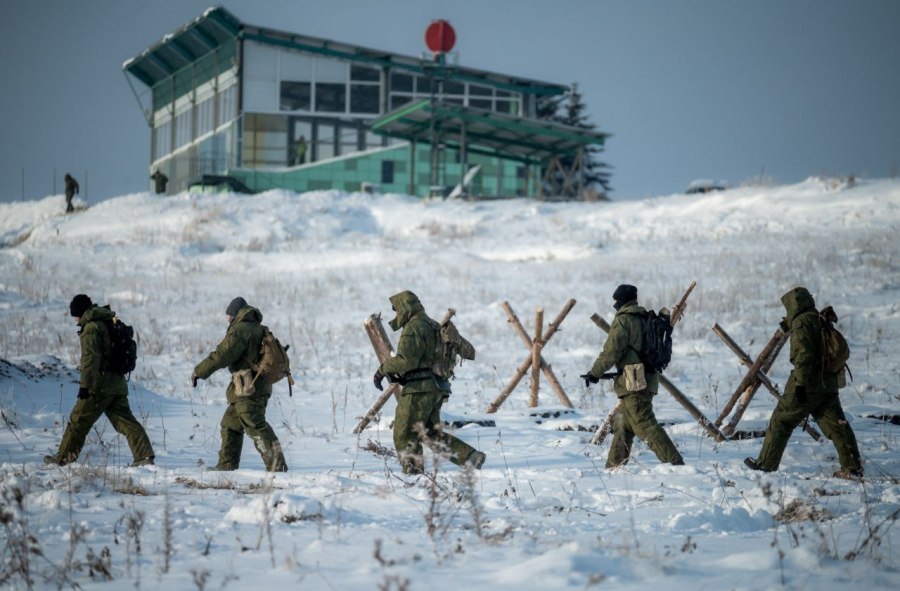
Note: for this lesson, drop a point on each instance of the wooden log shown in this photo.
(504, 394)
(536, 357)
(748, 394)
(751, 378)
(683, 400)
(383, 349)
(764, 379)
(546, 368)
(523, 367)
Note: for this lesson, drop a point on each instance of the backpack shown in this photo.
(656, 341)
(451, 348)
(835, 350)
(122, 347)
(273, 364)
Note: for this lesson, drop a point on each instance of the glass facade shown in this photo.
(283, 108)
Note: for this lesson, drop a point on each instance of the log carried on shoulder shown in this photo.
(383, 349)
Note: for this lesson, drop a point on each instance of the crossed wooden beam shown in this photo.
(534, 360)
(756, 377)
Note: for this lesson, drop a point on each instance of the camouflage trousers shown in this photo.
(635, 417)
(248, 415)
(422, 412)
(86, 412)
(826, 410)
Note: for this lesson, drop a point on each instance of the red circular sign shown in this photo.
(440, 37)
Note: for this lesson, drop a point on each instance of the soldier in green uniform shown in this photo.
(71, 190)
(809, 391)
(246, 412)
(635, 415)
(423, 393)
(100, 391)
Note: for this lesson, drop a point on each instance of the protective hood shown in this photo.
(796, 302)
(96, 314)
(247, 314)
(407, 305)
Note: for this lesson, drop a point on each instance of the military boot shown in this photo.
(476, 459)
(148, 461)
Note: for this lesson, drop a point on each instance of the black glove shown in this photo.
(377, 379)
(800, 392)
(83, 393)
(589, 379)
(194, 379)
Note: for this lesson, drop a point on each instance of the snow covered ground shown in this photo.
(543, 513)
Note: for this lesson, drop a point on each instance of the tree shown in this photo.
(593, 174)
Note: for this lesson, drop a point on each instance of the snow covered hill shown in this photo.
(543, 513)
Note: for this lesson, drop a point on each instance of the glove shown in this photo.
(589, 379)
(800, 392)
(377, 379)
(194, 379)
(83, 393)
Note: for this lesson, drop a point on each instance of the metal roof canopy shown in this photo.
(216, 26)
(485, 132)
(180, 49)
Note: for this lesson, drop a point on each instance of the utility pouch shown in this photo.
(243, 382)
(842, 378)
(635, 380)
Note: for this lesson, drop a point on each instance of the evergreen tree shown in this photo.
(594, 174)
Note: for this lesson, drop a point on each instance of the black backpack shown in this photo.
(122, 348)
(656, 341)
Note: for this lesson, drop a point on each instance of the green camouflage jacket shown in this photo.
(417, 347)
(802, 321)
(621, 348)
(238, 350)
(95, 347)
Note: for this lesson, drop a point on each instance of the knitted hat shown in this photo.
(79, 305)
(625, 293)
(235, 306)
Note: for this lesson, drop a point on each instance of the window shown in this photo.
(205, 116)
(485, 104)
(364, 74)
(331, 97)
(387, 171)
(476, 90)
(183, 129)
(454, 87)
(401, 82)
(349, 140)
(295, 96)
(399, 101)
(364, 98)
(325, 143)
(227, 104)
(162, 140)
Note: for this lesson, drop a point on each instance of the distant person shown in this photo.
(635, 416)
(247, 398)
(159, 181)
(809, 391)
(300, 151)
(71, 190)
(100, 391)
(418, 413)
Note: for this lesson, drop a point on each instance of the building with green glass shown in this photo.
(268, 109)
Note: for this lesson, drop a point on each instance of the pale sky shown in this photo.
(716, 89)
